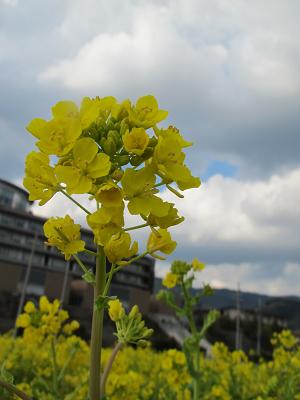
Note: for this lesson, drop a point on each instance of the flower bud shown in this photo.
(115, 310)
(134, 311)
(148, 333)
(123, 160)
(29, 307)
(117, 175)
(136, 160)
(143, 343)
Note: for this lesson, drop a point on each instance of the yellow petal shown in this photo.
(139, 205)
(65, 109)
(89, 111)
(85, 150)
(36, 126)
(84, 185)
(158, 207)
(68, 175)
(100, 166)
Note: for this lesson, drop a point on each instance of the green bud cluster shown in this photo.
(180, 267)
(108, 134)
(131, 328)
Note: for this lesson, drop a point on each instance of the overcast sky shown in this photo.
(227, 71)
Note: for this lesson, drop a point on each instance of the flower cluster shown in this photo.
(115, 153)
(179, 270)
(46, 319)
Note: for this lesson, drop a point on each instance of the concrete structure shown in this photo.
(251, 315)
(173, 328)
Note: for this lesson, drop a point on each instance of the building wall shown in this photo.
(9, 281)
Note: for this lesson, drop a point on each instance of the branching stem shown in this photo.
(97, 328)
(13, 390)
(108, 367)
(74, 201)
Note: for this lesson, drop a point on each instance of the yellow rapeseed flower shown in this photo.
(106, 222)
(171, 219)
(109, 195)
(44, 304)
(68, 329)
(40, 179)
(170, 280)
(23, 321)
(29, 307)
(198, 265)
(58, 136)
(136, 141)
(119, 247)
(87, 165)
(65, 235)
(168, 159)
(161, 242)
(145, 113)
(138, 189)
(115, 310)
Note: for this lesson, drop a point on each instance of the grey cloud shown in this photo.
(235, 91)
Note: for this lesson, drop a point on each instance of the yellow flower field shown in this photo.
(48, 361)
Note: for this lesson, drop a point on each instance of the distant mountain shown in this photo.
(283, 307)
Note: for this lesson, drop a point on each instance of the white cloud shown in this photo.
(248, 275)
(187, 43)
(230, 212)
(9, 2)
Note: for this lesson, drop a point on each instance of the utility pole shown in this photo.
(26, 279)
(238, 319)
(64, 286)
(258, 344)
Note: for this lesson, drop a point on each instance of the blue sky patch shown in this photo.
(219, 167)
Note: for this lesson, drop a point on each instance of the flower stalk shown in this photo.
(97, 328)
(13, 390)
(109, 365)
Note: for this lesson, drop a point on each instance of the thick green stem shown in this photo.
(97, 329)
(196, 382)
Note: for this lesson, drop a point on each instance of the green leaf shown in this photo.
(209, 320)
(5, 375)
(102, 302)
(189, 282)
(168, 298)
(189, 346)
(89, 277)
(207, 290)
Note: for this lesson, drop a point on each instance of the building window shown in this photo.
(10, 254)
(12, 221)
(57, 263)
